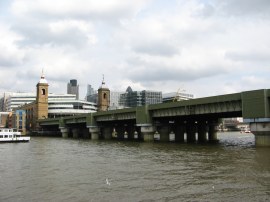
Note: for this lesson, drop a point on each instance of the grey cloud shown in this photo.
(8, 62)
(158, 49)
(245, 7)
(248, 56)
(40, 35)
(150, 72)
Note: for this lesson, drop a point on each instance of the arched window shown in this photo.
(43, 91)
(104, 96)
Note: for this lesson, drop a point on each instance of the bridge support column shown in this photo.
(164, 133)
(86, 133)
(64, 132)
(212, 133)
(75, 132)
(262, 133)
(202, 136)
(148, 133)
(114, 133)
(191, 132)
(180, 133)
(107, 133)
(136, 135)
(94, 132)
(125, 135)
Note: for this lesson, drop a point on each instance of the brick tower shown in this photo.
(103, 97)
(42, 98)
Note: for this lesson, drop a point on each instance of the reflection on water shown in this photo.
(56, 169)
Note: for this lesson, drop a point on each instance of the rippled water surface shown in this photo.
(57, 169)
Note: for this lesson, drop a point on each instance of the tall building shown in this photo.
(73, 88)
(91, 94)
(114, 100)
(139, 98)
(90, 90)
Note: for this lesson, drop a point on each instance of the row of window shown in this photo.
(9, 136)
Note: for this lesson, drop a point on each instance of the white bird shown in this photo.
(107, 182)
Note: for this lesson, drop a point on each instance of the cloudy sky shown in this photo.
(205, 47)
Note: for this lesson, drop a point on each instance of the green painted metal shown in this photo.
(255, 104)
(249, 104)
(143, 115)
(90, 120)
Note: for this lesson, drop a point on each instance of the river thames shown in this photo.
(58, 169)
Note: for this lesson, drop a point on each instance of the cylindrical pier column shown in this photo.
(148, 133)
(136, 135)
(212, 133)
(164, 133)
(180, 132)
(75, 132)
(107, 133)
(114, 134)
(86, 133)
(262, 133)
(64, 132)
(202, 136)
(191, 132)
(125, 135)
(94, 132)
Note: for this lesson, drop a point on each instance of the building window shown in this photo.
(104, 96)
(43, 91)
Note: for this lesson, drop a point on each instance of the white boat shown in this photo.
(9, 135)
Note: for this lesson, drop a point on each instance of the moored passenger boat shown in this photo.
(9, 135)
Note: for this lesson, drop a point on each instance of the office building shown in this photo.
(139, 98)
(73, 88)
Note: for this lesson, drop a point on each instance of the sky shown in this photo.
(201, 47)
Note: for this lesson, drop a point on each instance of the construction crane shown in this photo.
(175, 99)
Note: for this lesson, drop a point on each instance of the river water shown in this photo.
(57, 169)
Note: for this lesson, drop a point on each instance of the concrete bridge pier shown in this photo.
(85, 133)
(107, 133)
(125, 135)
(180, 132)
(135, 135)
(191, 132)
(164, 133)
(147, 132)
(94, 131)
(212, 133)
(261, 130)
(64, 132)
(114, 133)
(120, 132)
(202, 130)
(75, 132)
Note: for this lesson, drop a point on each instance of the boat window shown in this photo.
(18, 135)
(10, 136)
(1, 136)
(6, 136)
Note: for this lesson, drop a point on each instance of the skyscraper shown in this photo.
(73, 88)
